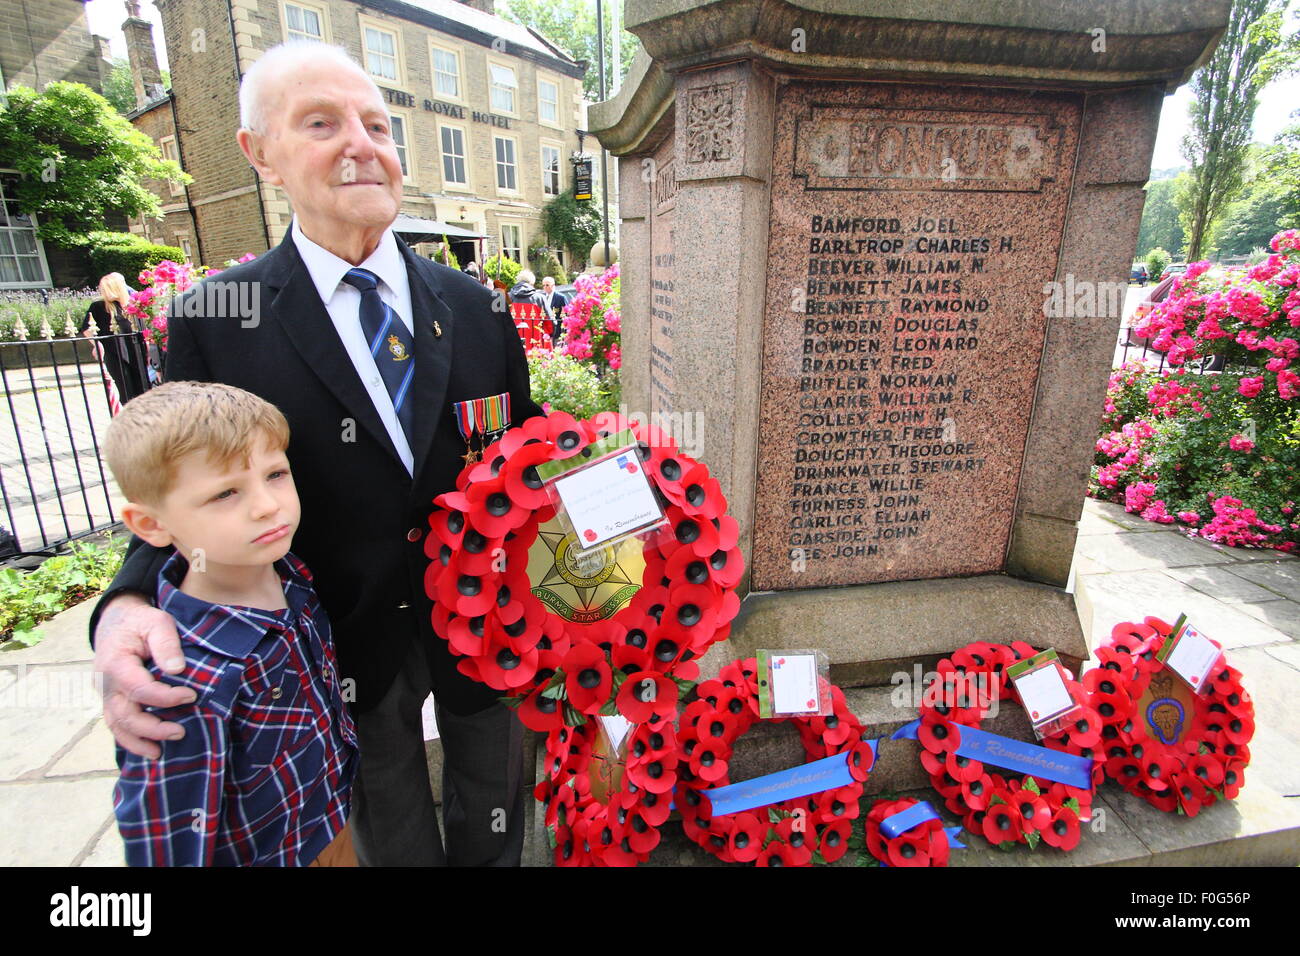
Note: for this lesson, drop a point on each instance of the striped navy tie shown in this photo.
(391, 345)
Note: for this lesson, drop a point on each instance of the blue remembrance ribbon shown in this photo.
(829, 773)
(1015, 755)
(899, 823)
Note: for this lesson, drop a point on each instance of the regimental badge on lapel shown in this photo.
(398, 349)
(437, 329)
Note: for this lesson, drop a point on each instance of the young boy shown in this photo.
(264, 771)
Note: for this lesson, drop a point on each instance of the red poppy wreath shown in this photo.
(625, 651)
(1003, 808)
(1177, 750)
(600, 811)
(798, 832)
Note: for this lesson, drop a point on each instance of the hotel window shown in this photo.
(505, 150)
(399, 140)
(187, 249)
(22, 259)
(453, 156)
(381, 53)
(548, 102)
(168, 147)
(512, 243)
(303, 22)
(446, 72)
(550, 170)
(503, 88)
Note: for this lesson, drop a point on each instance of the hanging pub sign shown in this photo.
(582, 179)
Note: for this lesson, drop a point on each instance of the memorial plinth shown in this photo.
(874, 263)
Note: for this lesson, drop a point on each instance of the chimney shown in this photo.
(140, 51)
(486, 6)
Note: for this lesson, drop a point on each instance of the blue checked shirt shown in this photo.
(264, 772)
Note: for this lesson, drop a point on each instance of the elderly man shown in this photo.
(554, 302)
(374, 440)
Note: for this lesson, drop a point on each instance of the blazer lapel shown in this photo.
(298, 308)
(433, 348)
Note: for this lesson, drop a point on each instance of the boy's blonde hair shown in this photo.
(154, 431)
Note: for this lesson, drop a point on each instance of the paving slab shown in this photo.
(1221, 583)
(1116, 514)
(1282, 615)
(1282, 577)
(1131, 596)
(41, 713)
(50, 822)
(1274, 687)
(95, 752)
(65, 640)
(1106, 840)
(108, 849)
(1259, 828)
(1134, 552)
(1286, 653)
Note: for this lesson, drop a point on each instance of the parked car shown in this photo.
(1138, 274)
(1173, 269)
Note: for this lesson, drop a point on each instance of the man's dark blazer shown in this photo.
(363, 517)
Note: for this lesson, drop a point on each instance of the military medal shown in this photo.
(483, 418)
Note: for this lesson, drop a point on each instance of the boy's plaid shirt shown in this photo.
(264, 772)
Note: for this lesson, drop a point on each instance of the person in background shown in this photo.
(124, 355)
(554, 302)
(524, 289)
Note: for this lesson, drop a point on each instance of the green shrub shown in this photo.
(55, 306)
(444, 255)
(1157, 259)
(504, 268)
(127, 253)
(29, 597)
(545, 263)
(563, 383)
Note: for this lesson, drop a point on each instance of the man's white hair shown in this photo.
(527, 275)
(279, 60)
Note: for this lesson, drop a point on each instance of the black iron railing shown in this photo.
(59, 395)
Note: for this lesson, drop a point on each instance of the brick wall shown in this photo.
(46, 40)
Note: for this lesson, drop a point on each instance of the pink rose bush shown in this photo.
(160, 285)
(592, 321)
(1218, 454)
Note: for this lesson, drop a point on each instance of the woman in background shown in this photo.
(123, 355)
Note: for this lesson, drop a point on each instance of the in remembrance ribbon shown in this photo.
(819, 776)
(1015, 755)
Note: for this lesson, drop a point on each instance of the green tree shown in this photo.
(1251, 53)
(1253, 219)
(119, 88)
(1160, 227)
(79, 159)
(571, 25)
(1282, 168)
(572, 225)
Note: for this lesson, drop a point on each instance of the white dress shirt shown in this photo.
(343, 303)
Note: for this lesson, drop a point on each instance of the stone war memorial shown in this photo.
(840, 227)
(875, 255)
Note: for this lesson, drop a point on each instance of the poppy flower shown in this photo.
(1234, 778)
(976, 793)
(1001, 824)
(1191, 793)
(657, 775)
(1239, 729)
(1225, 680)
(566, 435)
(587, 678)
(800, 836)
(910, 849)
(646, 693)
(843, 803)
(861, 759)
(656, 808)
(778, 853)
(962, 769)
(1062, 830)
(1207, 769)
(492, 512)
(1084, 728)
(708, 759)
(939, 849)
(1158, 768)
(938, 737)
(744, 838)
(833, 842)
(540, 713)
(566, 850)
(697, 494)
(1031, 808)
(641, 835)
(1125, 770)
(698, 534)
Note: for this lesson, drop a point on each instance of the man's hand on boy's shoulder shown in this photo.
(131, 631)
